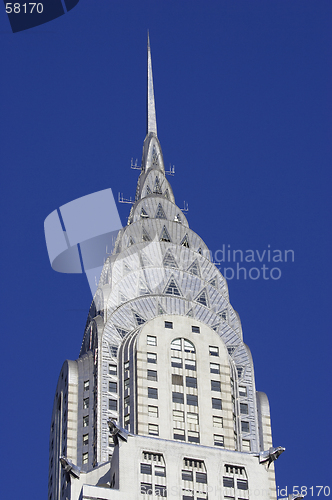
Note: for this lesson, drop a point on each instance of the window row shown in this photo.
(160, 490)
(159, 470)
(228, 482)
(188, 475)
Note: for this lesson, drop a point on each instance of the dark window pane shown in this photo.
(195, 329)
(216, 404)
(176, 362)
(191, 382)
(190, 364)
(113, 404)
(146, 469)
(146, 489)
(245, 426)
(152, 393)
(152, 375)
(186, 497)
(177, 379)
(228, 482)
(160, 490)
(215, 385)
(168, 324)
(179, 434)
(201, 477)
(187, 475)
(112, 386)
(192, 400)
(177, 397)
(242, 484)
(244, 408)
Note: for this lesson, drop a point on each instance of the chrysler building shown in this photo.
(162, 400)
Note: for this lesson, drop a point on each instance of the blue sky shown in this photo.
(243, 99)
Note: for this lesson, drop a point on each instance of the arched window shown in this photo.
(182, 345)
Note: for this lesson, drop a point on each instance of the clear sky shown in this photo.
(243, 100)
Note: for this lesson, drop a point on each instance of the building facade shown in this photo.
(162, 400)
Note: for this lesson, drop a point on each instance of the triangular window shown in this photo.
(223, 315)
(144, 213)
(121, 331)
(166, 194)
(145, 235)
(214, 282)
(185, 241)
(190, 313)
(164, 235)
(139, 320)
(148, 190)
(239, 371)
(160, 212)
(231, 350)
(169, 260)
(157, 187)
(215, 327)
(131, 241)
(172, 288)
(194, 269)
(202, 298)
(177, 218)
(199, 251)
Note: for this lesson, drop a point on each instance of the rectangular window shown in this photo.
(113, 405)
(246, 446)
(160, 490)
(215, 385)
(243, 391)
(177, 379)
(193, 437)
(245, 427)
(192, 400)
(152, 375)
(85, 439)
(146, 469)
(217, 421)
(244, 408)
(176, 345)
(126, 365)
(153, 411)
(192, 418)
(151, 357)
(214, 368)
(127, 401)
(127, 419)
(176, 362)
(179, 434)
(151, 340)
(218, 440)
(85, 458)
(216, 404)
(152, 393)
(85, 403)
(153, 430)
(201, 477)
(178, 397)
(112, 369)
(110, 442)
(146, 489)
(86, 421)
(228, 482)
(159, 471)
(214, 351)
(187, 475)
(191, 382)
(195, 329)
(113, 387)
(86, 385)
(242, 484)
(168, 324)
(126, 383)
(178, 415)
(190, 364)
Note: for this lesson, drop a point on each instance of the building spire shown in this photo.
(151, 125)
